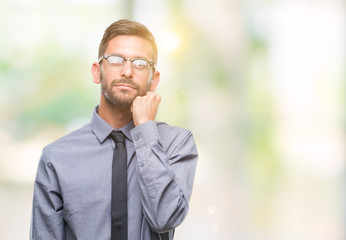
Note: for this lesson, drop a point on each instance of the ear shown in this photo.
(155, 81)
(95, 71)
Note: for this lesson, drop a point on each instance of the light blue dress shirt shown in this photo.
(72, 191)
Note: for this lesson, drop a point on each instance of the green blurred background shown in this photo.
(261, 83)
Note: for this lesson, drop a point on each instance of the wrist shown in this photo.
(140, 121)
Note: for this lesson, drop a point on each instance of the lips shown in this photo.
(125, 86)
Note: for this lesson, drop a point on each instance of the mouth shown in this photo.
(123, 86)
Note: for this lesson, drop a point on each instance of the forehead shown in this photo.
(130, 46)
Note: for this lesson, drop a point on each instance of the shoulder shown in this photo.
(70, 140)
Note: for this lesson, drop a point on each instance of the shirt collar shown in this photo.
(102, 129)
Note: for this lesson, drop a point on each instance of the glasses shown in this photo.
(116, 63)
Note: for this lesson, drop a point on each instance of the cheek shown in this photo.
(106, 82)
(149, 81)
(142, 90)
(101, 75)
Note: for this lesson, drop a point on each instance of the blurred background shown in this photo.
(261, 83)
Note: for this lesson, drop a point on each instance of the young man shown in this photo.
(83, 190)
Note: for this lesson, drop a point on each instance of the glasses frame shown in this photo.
(151, 63)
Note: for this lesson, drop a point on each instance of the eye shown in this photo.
(139, 63)
(114, 60)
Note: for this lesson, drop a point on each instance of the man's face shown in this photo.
(121, 88)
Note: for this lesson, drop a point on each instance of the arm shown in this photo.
(47, 212)
(166, 174)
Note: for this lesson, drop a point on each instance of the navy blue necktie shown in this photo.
(119, 188)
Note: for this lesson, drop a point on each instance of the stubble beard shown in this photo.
(115, 100)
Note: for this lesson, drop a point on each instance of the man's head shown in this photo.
(127, 28)
(123, 52)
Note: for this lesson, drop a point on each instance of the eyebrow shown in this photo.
(135, 57)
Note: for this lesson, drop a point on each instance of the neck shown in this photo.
(116, 116)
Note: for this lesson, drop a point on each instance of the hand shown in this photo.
(144, 108)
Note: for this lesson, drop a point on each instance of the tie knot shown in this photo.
(118, 137)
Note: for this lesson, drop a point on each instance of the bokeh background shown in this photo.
(261, 83)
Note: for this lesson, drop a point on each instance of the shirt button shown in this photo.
(136, 137)
(141, 164)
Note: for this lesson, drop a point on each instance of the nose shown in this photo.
(127, 70)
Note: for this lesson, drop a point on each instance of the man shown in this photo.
(83, 190)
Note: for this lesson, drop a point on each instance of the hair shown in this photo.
(129, 28)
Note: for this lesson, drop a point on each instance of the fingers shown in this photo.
(145, 108)
(153, 95)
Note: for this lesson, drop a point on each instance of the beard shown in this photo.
(125, 101)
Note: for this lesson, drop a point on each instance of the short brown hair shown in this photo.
(130, 28)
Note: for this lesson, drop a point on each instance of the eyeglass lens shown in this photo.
(139, 66)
